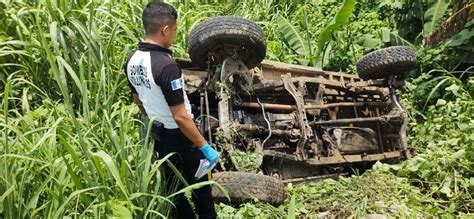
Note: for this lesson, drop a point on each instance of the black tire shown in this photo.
(395, 60)
(217, 35)
(248, 186)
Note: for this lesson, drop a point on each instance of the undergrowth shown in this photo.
(69, 132)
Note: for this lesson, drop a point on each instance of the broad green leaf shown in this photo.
(453, 88)
(441, 102)
(434, 14)
(459, 154)
(341, 18)
(293, 37)
(369, 41)
(292, 208)
(446, 188)
(463, 37)
(119, 211)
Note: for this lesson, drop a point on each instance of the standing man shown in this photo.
(157, 84)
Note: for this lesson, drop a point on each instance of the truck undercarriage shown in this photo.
(302, 123)
(300, 119)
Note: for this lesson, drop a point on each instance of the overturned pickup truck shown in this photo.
(300, 123)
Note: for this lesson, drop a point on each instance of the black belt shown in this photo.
(158, 130)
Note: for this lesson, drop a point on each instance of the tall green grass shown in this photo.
(68, 131)
(46, 172)
(69, 136)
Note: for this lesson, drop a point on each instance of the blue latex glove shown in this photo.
(209, 153)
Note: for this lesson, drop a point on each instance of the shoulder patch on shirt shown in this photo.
(177, 84)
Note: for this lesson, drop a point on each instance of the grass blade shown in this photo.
(112, 167)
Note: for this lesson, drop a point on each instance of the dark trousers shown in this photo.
(186, 160)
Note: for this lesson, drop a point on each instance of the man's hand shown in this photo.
(189, 129)
(209, 153)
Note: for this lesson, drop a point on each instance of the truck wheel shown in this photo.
(395, 60)
(219, 36)
(248, 186)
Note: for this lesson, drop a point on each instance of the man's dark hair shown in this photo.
(157, 14)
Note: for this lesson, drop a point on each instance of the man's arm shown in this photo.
(186, 125)
(136, 98)
(172, 86)
(139, 103)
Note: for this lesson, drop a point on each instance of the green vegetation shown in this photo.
(69, 133)
(69, 136)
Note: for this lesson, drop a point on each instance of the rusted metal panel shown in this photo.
(392, 154)
(305, 130)
(272, 71)
(371, 157)
(314, 178)
(343, 159)
(298, 110)
(310, 106)
(284, 67)
(357, 120)
(352, 158)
